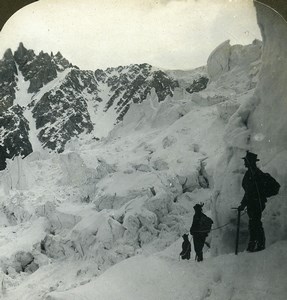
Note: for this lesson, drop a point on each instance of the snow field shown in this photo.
(97, 203)
(108, 215)
(246, 276)
(65, 193)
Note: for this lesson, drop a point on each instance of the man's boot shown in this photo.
(260, 244)
(251, 246)
(259, 247)
(200, 256)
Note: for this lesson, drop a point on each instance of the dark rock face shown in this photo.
(8, 73)
(132, 84)
(3, 156)
(14, 134)
(39, 69)
(62, 113)
(163, 85)
(198, 85)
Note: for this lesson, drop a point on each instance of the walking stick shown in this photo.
(237, 230)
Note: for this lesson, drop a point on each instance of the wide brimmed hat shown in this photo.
(250, 156)
(198, 206)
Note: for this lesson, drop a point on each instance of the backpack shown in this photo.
(268, 185)
(205, 223)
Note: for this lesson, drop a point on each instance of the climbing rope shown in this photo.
(219, 227)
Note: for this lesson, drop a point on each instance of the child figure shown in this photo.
(186, 248)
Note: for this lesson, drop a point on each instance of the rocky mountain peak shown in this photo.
(8, 54)
(23, 56)
(61, 62)
(132, 83)
(39, 69)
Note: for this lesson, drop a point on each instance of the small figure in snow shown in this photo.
(200, 229)
(186, 247)
(255, 197)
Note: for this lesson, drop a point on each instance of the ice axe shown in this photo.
(237, 229)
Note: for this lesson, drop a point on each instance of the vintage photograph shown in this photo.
(143, 150)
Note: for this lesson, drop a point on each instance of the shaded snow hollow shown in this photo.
(161, 276)
(104, 219)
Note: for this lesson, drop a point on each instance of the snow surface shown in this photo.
(163, 277)
(103, 121)
(104, 219)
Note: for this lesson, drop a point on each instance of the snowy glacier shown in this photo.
(104, 218)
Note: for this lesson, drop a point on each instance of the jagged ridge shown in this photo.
(65, 100)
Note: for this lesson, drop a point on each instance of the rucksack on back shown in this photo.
(270, 187)
(205, 223)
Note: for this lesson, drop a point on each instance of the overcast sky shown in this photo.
(171, 34)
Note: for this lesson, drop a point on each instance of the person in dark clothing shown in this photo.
(200, 228)
(186, 248)
(255, 201)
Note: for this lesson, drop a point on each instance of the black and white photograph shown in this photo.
(143, 150)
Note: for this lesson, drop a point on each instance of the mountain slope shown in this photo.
(65, 102)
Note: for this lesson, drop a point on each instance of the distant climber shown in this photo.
(186, 248)
(257, 186)
(200, 229)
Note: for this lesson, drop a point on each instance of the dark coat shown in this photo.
(195, 228)
(186, 248)
(254, 198)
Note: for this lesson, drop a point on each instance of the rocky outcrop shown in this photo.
(198, 85)
(39, 69)
(8, 74)
(132, 84)
(15, 132)
(62, 113)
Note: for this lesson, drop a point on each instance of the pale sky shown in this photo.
(171, 34)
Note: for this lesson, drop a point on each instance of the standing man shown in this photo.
(200, 228)
(254, 199)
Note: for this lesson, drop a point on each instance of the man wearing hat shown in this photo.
(201, 226)
(254, 200)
